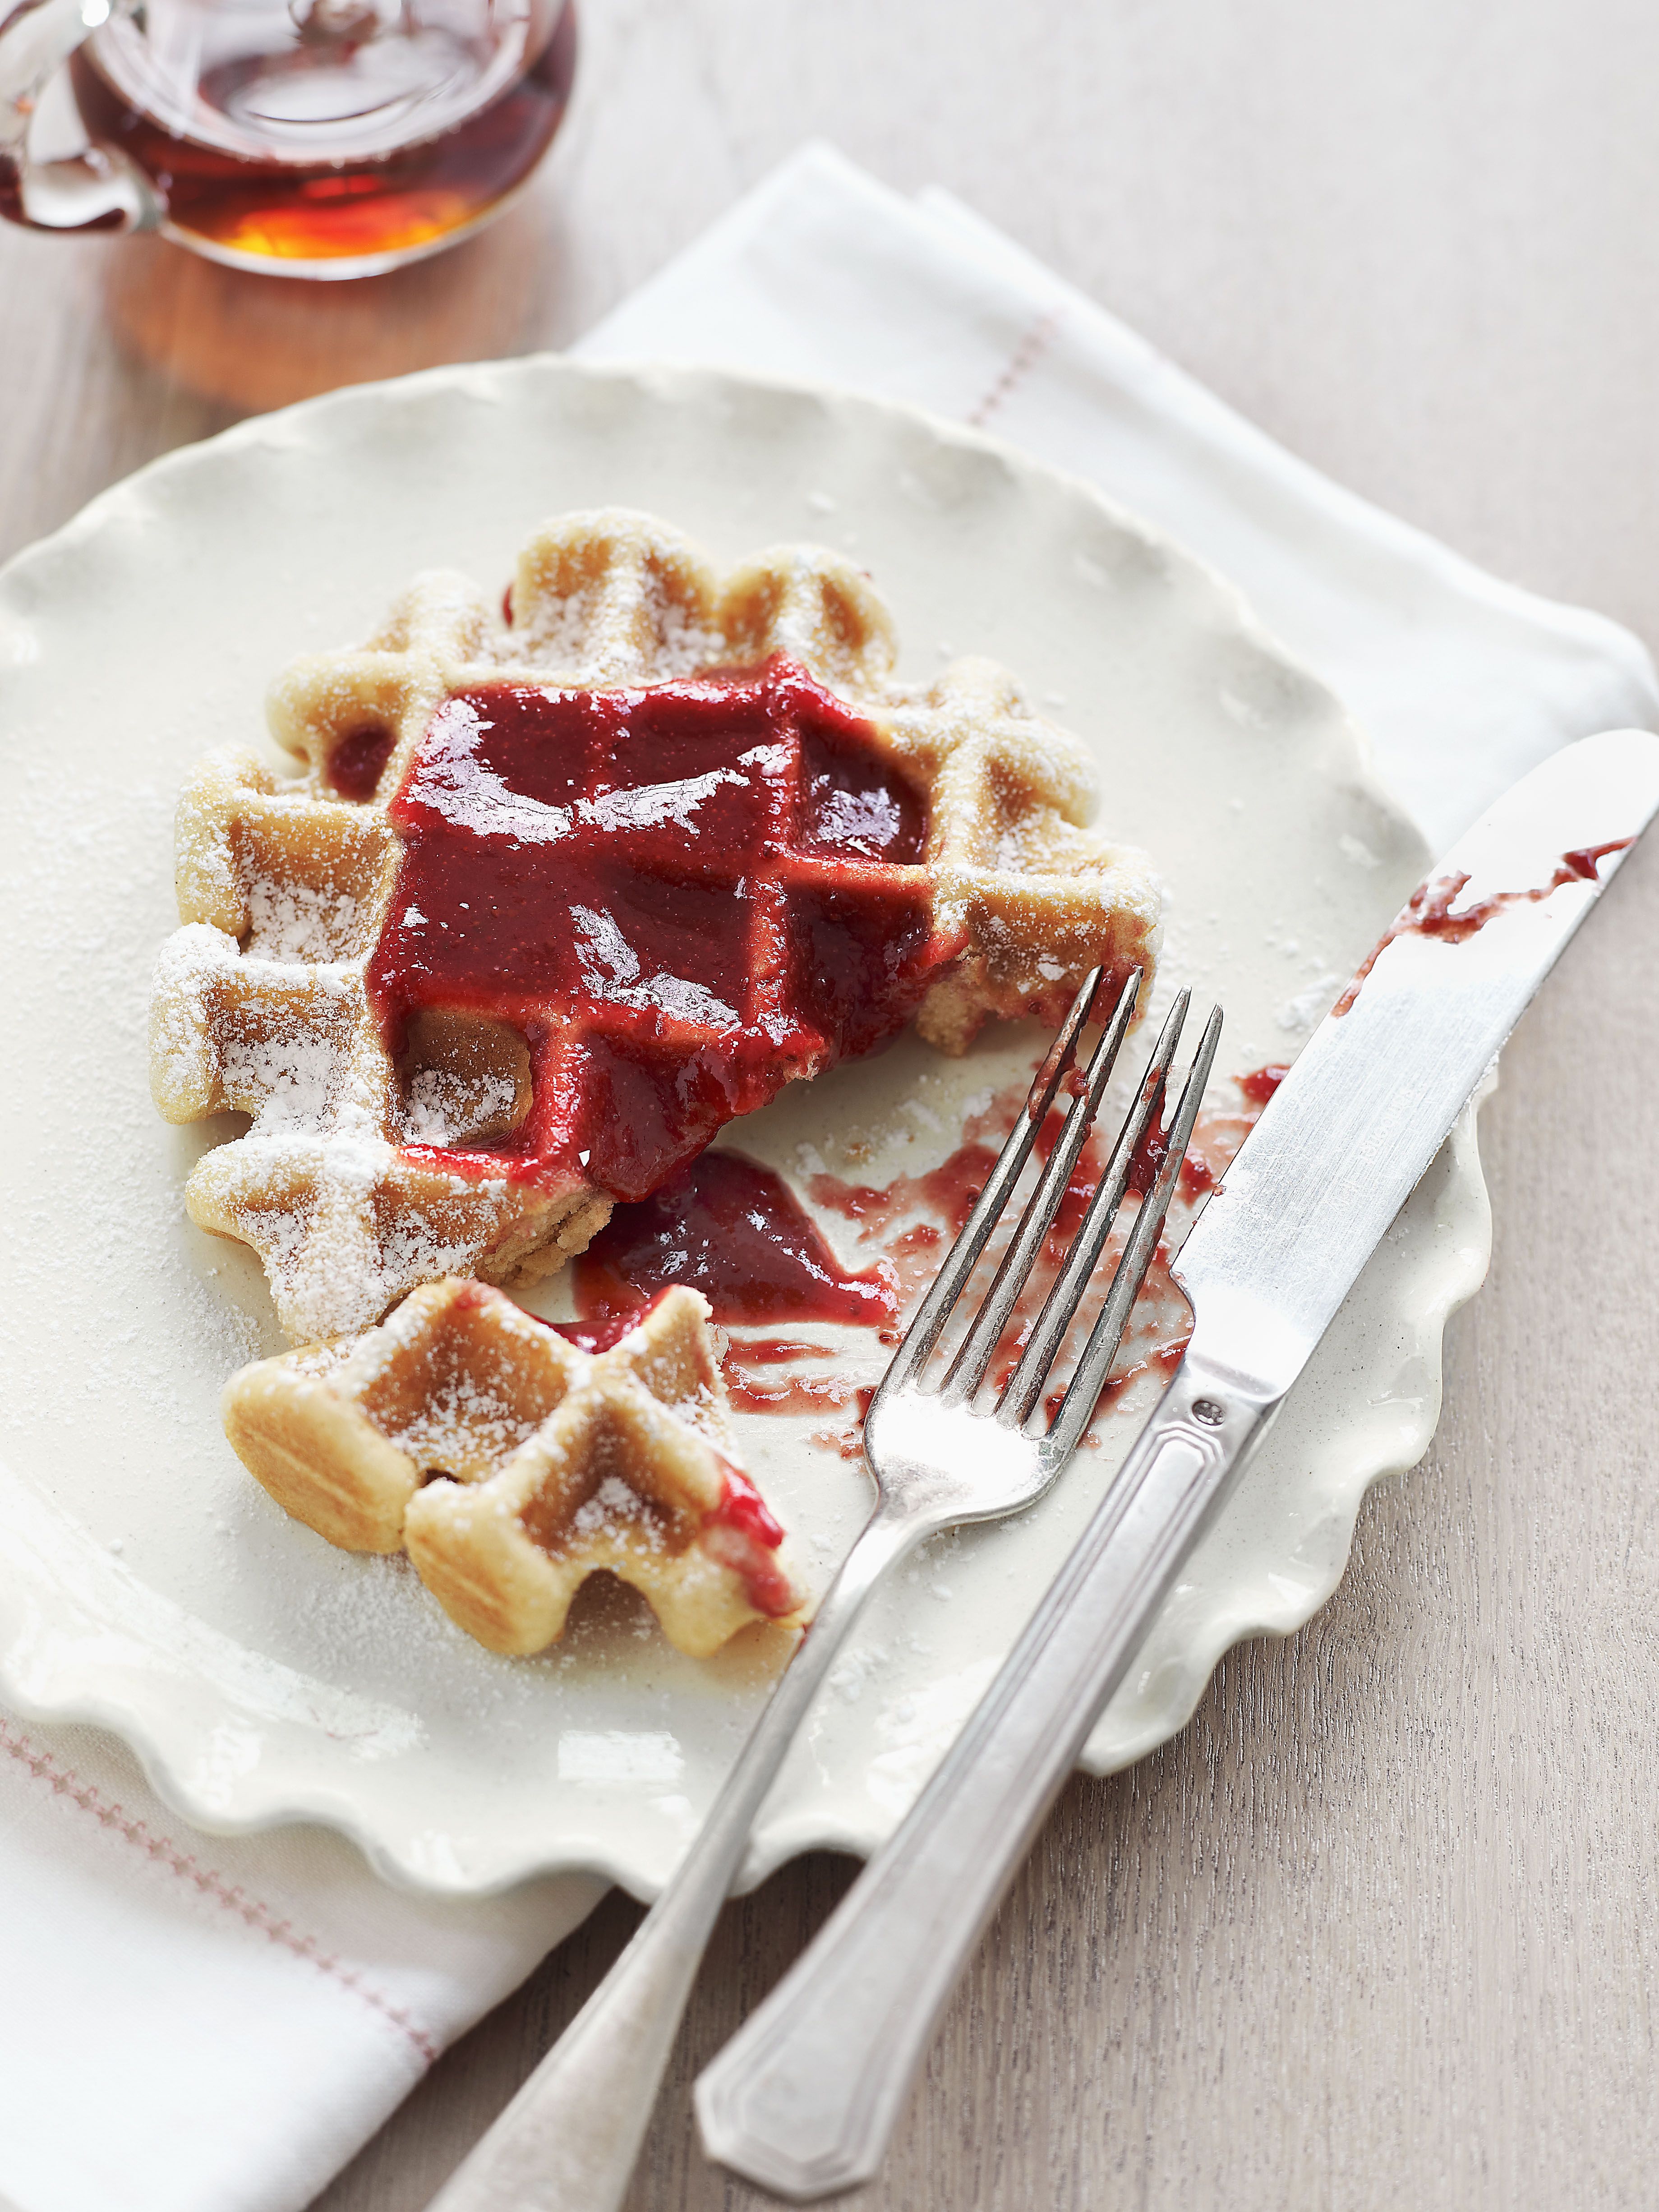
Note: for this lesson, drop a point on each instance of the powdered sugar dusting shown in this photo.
(464, 1428)
(616, 1510)
(302, 921)
(441, 1108)
(631, 627)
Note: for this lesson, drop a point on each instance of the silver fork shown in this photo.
(570, 2138)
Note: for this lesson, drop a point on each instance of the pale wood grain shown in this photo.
(1378, 1930)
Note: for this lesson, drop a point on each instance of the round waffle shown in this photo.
(385, 1152)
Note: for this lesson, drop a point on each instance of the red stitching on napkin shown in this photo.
(250, 1909)
(1025, 357)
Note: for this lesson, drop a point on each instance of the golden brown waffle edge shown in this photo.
(259, 1007)
(512, 1466)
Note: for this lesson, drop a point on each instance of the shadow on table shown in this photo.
(252, 341)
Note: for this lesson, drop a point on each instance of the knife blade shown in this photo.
(1373, 1094)
(805, 2097)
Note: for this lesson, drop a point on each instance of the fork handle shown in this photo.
(805, 2097)
(569, 2140)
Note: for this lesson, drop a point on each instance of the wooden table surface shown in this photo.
(1379, 1929)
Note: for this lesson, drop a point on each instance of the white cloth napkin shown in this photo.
(1463, 681)
(192, 2024)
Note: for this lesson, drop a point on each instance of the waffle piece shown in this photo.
(512, 1466)
(441, 1083)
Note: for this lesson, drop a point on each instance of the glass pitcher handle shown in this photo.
(98, 190)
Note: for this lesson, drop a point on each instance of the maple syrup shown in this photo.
(329, 137)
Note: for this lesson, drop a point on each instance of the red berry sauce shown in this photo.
(683, 897)
(1428, 912)
(735, 1232)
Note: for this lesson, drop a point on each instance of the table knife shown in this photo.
(804, 2099)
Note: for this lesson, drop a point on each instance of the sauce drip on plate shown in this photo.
(734, 1230)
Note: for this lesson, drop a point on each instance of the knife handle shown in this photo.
(805, 2097)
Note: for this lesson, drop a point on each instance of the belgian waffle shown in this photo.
(512, 1465)
(383, 1153)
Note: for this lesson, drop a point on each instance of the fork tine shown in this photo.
(967, 1371)
(935, 1309)
(1083, 1392)
(1025, 1385)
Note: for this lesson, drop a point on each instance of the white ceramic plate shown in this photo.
(146, 1583)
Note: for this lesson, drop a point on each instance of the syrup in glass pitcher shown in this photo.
(302, 137)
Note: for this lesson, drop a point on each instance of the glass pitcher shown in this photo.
(302, 138)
